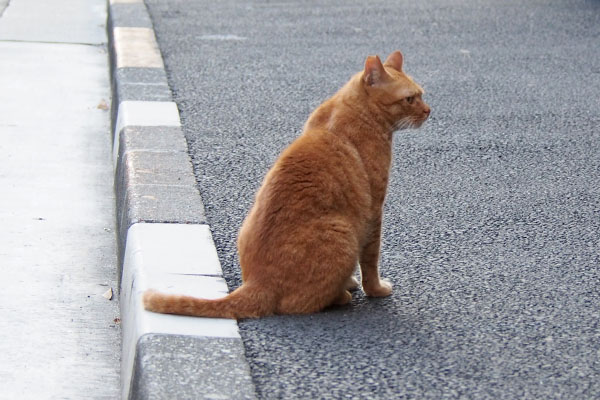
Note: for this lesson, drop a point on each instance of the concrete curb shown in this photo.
(164, 240)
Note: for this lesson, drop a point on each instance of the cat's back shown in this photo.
(318, 166)
(318, 174)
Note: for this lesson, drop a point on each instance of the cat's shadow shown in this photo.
(364, 320)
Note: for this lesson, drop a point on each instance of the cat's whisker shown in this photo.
(404, 123)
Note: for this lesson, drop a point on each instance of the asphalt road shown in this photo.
(492, 220)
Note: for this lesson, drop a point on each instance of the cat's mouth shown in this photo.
(420, 123)
(409, 123)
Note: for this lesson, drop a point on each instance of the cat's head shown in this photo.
(394, 93)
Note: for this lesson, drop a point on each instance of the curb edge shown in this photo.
(163, 237)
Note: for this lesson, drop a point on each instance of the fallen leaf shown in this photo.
(102, 105)
(108, 294)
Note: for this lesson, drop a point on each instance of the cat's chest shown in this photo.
(378, 171)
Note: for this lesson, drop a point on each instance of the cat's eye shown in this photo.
(410, 99)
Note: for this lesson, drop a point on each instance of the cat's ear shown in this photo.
(374, 72)
(395, 61)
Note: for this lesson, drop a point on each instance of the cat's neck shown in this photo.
(349, 114)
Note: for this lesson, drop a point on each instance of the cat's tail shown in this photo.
(246, 301)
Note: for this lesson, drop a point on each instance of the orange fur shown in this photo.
(319, 209)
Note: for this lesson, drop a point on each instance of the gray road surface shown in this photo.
(492, 219)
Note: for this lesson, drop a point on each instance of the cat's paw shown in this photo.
(352, 283)
(382, 289)
(344, 298)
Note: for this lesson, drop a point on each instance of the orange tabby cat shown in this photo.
(319, 209)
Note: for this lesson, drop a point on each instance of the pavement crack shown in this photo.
(104, 44)
(3, 6)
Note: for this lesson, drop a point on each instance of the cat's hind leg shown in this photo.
(308, 303)
(321, 276)
(344, 298)
(352, 283)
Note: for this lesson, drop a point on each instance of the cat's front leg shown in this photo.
(372, 283)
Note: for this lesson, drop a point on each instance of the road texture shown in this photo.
(492, 220)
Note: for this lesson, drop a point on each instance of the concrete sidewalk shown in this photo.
(60, 336)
